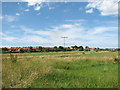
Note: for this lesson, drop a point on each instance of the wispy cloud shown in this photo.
(9, 18)
(54, 34)
(1, 17)
(17, 14)
(33, 31)
(76, 33)
(7, 37)
(66, 10)
(38, 13)
(76, 20)
(100, 30)
(50, 8)
(37, 7)
(26, 10)
(89, 11)
(2, 34)
(34, 39)
(80, 9)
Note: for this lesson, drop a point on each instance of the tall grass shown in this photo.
(72, 70)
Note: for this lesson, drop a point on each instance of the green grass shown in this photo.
(39, 54)
(59, 70)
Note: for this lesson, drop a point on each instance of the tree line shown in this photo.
(54, 49)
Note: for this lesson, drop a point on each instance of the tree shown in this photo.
(86, 48)
(21, 50)
(4, 49)
(74, 47)
(68, 49)
(40, 49)
(81, 48)
(55, 48)
(61, 48)
(30, 49)
(97, 49)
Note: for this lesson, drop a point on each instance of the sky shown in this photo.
(93, 24)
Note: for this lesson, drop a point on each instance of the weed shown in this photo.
(117, 60)
(96, 50)
(13, 58)
(4, 59)
(75, 71)
(83, 53)
(93, 65)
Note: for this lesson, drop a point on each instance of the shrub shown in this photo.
(83, 53)
(13, 58)
(117, 60)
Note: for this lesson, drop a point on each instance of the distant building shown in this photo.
(14, 49)
(91, 49)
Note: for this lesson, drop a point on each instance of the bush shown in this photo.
(83, 53)
(117, 60)
(13, 58)
(96, 50)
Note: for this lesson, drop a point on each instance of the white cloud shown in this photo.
(33, 2)
(33, 39)
(1, 17)
(99, 30)
(38, 14)
(55, 33)
(80, 9)
(50, 8)
(66, 10)
(2, 34)
(9, 39)
(37, 7)
(89, 11)
(18, 3)
(10, 18)
(26, 10)
(105, 7)
(76, 20)
(37, 4)
(76, 33)
(67, 26)
(12, 26)
(17, 14)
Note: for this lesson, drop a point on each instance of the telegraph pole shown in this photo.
(64, 42)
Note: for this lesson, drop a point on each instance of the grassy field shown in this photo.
(59, 70)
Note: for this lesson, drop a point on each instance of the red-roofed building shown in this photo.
(35, 47)
(92, 49)
(25, 48)
(13, 49)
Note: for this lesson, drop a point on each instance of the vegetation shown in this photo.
(76, 69)
(54, 49)
(81, 48)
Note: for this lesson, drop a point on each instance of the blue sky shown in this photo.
(43, 24)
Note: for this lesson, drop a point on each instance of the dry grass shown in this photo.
(73, 69)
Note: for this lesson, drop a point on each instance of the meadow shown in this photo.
(75, 69)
